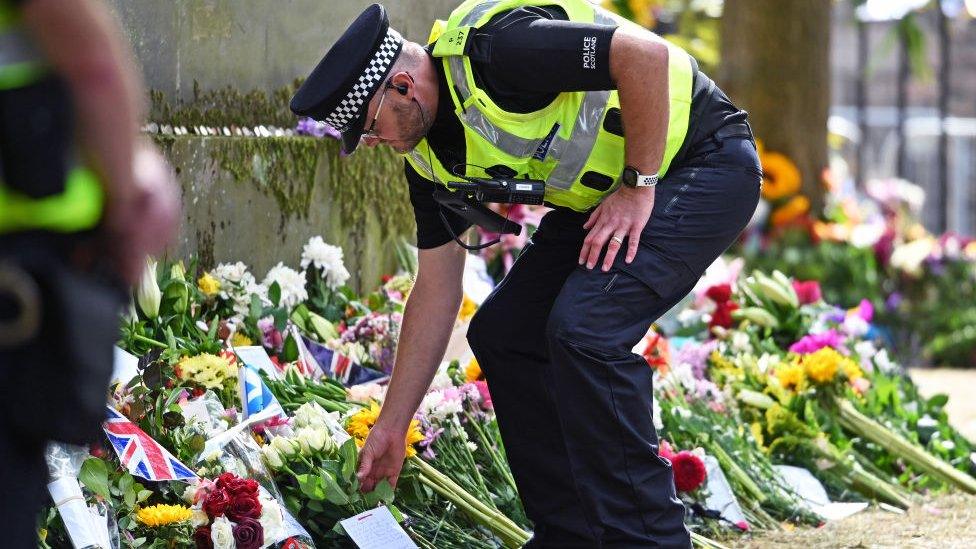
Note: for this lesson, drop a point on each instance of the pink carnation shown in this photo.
(808, 291)
(814, 342)
(485, 395)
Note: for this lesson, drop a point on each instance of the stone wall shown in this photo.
(235, 62)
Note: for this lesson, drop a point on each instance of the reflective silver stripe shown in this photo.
(16, 47)
(573, 153)
(475, 119)
(602, 17)
(419, 159)
(476, 12)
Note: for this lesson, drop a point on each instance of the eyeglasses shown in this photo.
(371, 132)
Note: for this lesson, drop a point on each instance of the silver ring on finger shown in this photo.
(617, 239)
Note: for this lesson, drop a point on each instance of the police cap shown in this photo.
(340, 87)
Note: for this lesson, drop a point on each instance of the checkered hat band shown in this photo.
(355, 101)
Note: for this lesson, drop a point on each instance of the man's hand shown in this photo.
(621, 215)
(381, 457)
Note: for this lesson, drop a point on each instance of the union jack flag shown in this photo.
(139, 453)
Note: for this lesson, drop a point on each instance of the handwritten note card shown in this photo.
(377, 529)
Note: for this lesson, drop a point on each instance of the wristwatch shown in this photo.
(633, 178)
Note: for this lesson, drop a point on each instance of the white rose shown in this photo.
(271, 520)
(271, 456)
(286, 446)
(222, 533)
(312, 438)
(309, 414)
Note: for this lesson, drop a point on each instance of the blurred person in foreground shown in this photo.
(82, 202)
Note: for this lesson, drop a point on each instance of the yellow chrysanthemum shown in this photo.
(472, 372)
(851, 369)
(797, 206)
(206, 369)
(208, 285)
(790, 376)
(781, 177)
(362, 421)
(821, 366)
(240, 340)
(163, 515)
(468, 308)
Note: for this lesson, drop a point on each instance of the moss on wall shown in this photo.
(288, 168)
(226, 107)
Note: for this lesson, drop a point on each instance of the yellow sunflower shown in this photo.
(362, 421)
(472, 372)
(781, 177)
(163, 515)
(240, 340)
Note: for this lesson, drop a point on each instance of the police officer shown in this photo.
(82, 202)
(651, 173)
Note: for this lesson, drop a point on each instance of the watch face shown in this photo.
(630, 177)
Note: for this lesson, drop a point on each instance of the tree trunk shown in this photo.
(776, 65)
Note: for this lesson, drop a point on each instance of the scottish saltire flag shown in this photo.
(139, 453)
(256, 398)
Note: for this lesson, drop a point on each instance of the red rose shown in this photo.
(242, 487)
(225, 480)
(216, 503)
(248, 534)
(722, 315)
(202, 538)
(689, 471)
(244, 506)
(719, 293)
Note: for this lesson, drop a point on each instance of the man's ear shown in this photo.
(403, 83)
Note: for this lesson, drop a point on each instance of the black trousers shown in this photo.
(554, 341)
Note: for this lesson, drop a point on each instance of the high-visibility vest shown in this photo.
(79, 206)
(568, 144)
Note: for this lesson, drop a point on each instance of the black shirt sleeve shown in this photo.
(431, 231)
(524, 57)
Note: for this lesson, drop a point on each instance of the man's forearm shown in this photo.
(427, 323)
(639, 66)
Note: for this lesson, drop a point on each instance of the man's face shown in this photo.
(399, 123)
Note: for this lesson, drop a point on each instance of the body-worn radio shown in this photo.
(467, 199)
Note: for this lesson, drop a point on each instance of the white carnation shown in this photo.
(327, 259)
(222, 533)
(291, 282)
(271, 520)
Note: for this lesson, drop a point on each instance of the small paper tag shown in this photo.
(256, 356)
(125, 366)
(377, 529)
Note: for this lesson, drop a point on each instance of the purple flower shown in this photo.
(695, 355)
(814, 342)
(893, 301)
(314, 128)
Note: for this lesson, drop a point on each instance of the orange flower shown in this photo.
(796, 207)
